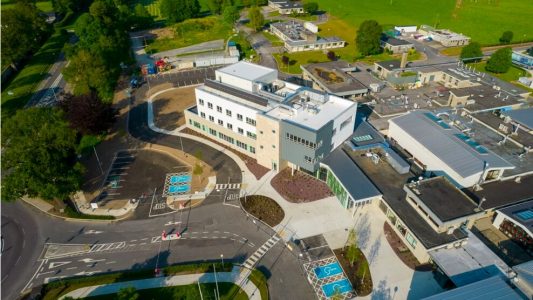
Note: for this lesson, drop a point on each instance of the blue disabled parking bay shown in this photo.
(180, 179)
(328, 270)
(174, 189)
(337, 287)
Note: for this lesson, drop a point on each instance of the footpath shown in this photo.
(237, 276)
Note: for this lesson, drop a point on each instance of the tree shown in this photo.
(332, 56)
(88, 72)
(178, 11)
(39, 156)
(142, 18)
(500, 61)
(231, 14)
(23, 30)
(368, 38)
(127, 293)
(530, 51)
(256, 18)
(215, 6)
(471, 52)
(311, 7)
(87, 114)
(285, 60)
(507, 37)
(352, 253)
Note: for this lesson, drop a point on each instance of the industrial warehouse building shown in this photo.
(276, 122)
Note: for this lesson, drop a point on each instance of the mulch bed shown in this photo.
(402, 251)
(263, 208)
(299, 188)
(251, 163)
(362, 285)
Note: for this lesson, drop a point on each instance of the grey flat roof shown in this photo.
(394, 41)
(522, 116)
(503, 193)
(347, 84)
(471, 262)
(446, 145)
(488, 289)
(389, 64)
(246, 70)
(525, 275)
(351, 177)
(445, 200)
(514, 210)
(236, 92)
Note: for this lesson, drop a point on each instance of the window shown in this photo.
(308, 159)
(209, 105)
(410, 239)
(201, 101)
(261, 147)
(251, 135)
(202, 114)
(230, 126)
(212, 131)
(211, 118)
(197, 125)
(242, 145)
(219, 109)
(346, 122)
(240, 130)
(228, 112)
(252, 149)
(239, 117)
(250, 121)
(226, 138)
(273, 131)
(220, 122)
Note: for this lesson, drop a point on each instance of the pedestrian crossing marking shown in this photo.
(229, 186)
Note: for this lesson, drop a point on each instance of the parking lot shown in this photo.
(182, 78)
(137, 174)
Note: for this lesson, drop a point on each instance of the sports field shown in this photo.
(483, 20)
(45, 5)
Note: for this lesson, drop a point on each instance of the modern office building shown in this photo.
(440, 149)
(278, 123)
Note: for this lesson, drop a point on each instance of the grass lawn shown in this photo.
(483, 20)
(512, 75)
(226, 290)
(192, 32)
(45, 6)
(263, 208)
(153, 7)
(274, 40)
(260, 281)
(20, 89)
(451, 51)
(55, 289)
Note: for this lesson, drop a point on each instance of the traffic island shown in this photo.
(263, 208)
(299, 187)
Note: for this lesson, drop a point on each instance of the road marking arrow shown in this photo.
(58, 264)
(85, 273)
(90, 260)
(170, 223)
(92, 232)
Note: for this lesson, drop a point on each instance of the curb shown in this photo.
(76, 219)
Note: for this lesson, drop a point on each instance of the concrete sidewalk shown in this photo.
(237, 276)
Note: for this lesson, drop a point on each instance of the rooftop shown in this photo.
(499, 289)
(390, 184)
(389, 64)
(521, 213)
(246, 70)
(503, 193)
(460, 152)
(293, 30)
(334, 76)
(522, 116)
(498, 122)
(349, 174)
(445, 200)
(394, 41)
(525, 282)
(310, 108)
(469, 263)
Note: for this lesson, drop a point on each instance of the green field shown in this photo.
(483, 20)
(512, 75)
(45, 6)
(192, 32)
(153, 7)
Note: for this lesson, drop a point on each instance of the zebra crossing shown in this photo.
(228, 186)
(260, 252)
(107, 247)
